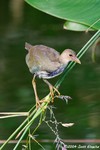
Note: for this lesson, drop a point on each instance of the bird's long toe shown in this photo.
(38, 104)
(53, 91)
(56, 90)
(64, 97)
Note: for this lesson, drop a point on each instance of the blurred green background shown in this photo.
(20, 23)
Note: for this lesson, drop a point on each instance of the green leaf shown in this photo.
(76, 26)
(86, 12)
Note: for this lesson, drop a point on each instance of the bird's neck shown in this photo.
(63, 59)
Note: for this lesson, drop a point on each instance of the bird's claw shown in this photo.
(64, 97)
(38, 104)
(52, 92)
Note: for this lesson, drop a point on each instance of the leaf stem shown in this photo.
(80, 54)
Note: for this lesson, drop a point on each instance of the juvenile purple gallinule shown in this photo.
(46, 63)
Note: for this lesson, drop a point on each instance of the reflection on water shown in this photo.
(19, 25)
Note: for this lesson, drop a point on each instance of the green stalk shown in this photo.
(26, 128)
(80, 54)
(16, 131)
(39, 111)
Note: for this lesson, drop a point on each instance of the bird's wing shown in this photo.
(47, 52)
(47, 57)
(42, 58)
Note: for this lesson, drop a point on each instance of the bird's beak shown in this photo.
(77, 60)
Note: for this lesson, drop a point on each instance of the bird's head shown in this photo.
(68, 55)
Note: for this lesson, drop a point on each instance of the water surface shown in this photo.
(25, 24)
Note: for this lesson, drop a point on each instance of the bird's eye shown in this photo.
(70, 55)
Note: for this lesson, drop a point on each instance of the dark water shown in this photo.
(20, 23)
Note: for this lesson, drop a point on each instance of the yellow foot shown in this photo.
(42, 101)
(38, 104)
(56, 90)
(52, 91)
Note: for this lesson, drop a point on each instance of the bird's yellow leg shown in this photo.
(56, 90)
(35, 92)
(52, 89)
(38, 101)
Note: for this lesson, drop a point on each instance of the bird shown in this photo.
(46, 63)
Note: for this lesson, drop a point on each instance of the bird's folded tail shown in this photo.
(28, 46)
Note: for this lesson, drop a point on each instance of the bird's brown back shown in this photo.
(42, 58)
